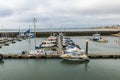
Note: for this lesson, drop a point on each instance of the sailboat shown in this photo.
(28, 34)
(20, 34)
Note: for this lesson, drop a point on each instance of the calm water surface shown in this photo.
(56, 69)
(113, 46)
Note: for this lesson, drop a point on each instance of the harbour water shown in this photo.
(56, 69)
(113, 45)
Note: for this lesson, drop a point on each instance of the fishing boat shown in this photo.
(98, 38)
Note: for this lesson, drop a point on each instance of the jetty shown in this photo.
(54, 56)
(103, 55)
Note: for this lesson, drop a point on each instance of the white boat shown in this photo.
(47, 44)
(75, 56)
(66, 41)
(72, 49)
(73, 53)
(21, 35)
(98, 38)
(30, 35)
(38, 51)
(26, 34)
(52, 38)
(50, 42)
(43, 51)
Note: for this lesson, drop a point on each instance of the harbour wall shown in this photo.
(70, 33)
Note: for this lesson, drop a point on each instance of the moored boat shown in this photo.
(48, 44)
(73, 53)
(75, 56)
(98, 38)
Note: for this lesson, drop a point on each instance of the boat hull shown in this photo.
(75, 59)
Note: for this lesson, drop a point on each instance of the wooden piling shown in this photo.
(87, 47)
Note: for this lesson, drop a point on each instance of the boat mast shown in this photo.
(35, 32)
(30, 28)
(2, 32)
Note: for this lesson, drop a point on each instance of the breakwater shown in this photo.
(70, 33)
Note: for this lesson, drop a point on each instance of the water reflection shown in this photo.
(118, 41)
(85, 63)
(1, 62)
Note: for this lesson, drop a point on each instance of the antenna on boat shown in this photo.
(35, 32)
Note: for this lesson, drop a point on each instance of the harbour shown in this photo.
(59, 40)
(99, 54)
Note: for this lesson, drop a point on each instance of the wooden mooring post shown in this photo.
(87, 47)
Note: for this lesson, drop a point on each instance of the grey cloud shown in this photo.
(62, 12)
(6, 12)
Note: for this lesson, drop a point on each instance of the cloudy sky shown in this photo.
(59, 13)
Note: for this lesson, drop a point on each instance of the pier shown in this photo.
(104, 55)
(54, 56)
(59, 45)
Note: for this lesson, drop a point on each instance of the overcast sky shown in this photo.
(59, 13)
